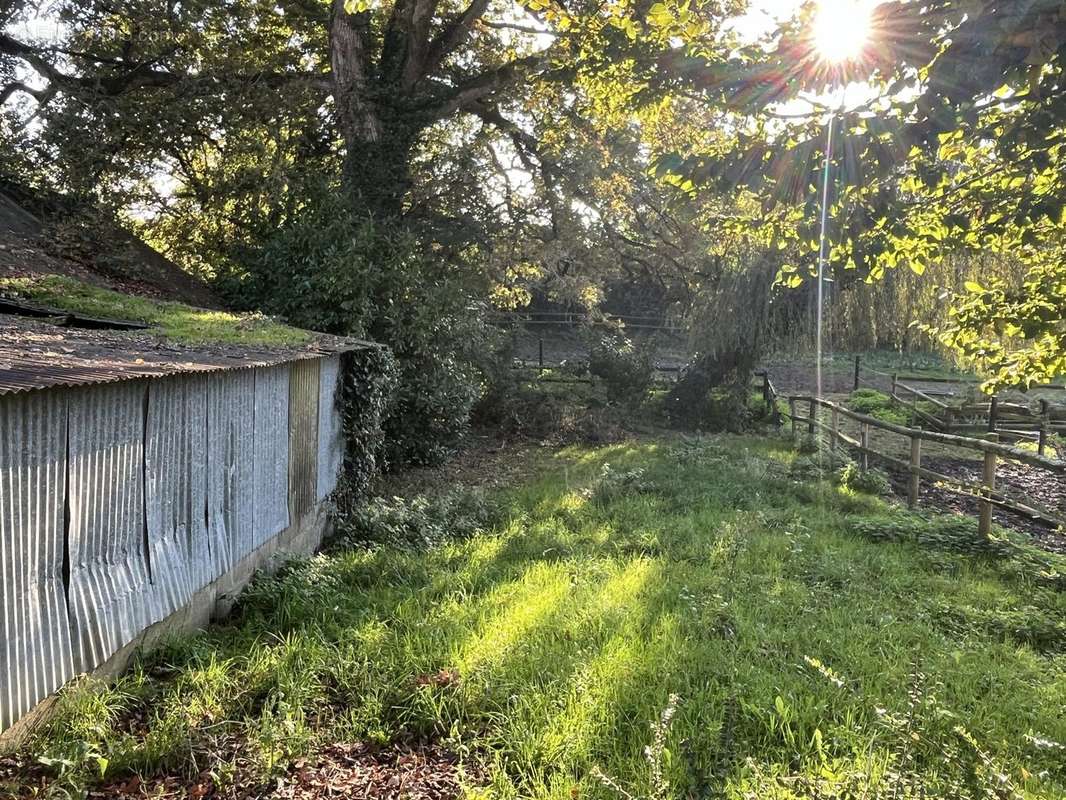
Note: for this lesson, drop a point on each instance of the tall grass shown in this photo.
(811, 653)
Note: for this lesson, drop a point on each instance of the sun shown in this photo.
(841, 29)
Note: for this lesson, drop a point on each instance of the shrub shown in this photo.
(331, 271)
(879, 405)
(625, 369)
(871, 481)
(368, 379)
(415, 523)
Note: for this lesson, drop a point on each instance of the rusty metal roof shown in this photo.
(38, 355)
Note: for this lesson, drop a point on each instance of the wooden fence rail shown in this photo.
(1012, 421)
(991, 450)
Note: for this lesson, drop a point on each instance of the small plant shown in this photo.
(870, 481)
(878, 405)
(656, 755)
(613, 484)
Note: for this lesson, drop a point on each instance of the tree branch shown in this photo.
(124, 77)
(453, 35)
(421, 15)
(464, 96)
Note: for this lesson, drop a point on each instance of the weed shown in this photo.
(655, 754)
(870, 481)
(878, 405)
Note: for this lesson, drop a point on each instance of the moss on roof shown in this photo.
(170, 320)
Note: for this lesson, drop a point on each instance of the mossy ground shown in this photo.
(175, 321)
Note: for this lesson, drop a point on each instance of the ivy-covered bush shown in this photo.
(330, 270)
(368, 379)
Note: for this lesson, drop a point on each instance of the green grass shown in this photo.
(822, 644)
(174, 321)
(933, 365)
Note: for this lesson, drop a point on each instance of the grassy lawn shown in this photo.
(171, 320)
(820, 643)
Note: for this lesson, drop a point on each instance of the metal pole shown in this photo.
(822, 255)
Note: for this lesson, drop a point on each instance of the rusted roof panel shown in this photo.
(36, 355)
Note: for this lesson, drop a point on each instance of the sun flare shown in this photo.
(841, 29)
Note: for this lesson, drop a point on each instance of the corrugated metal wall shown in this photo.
(330, 426)
(110, 593)
(270, 448)
(230, 490)
(118, 502)
(303, 436)
(35, 656)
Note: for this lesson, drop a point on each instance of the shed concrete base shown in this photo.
(214, 602)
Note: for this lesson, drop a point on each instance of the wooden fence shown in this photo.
(1012, 421)
(990, 449)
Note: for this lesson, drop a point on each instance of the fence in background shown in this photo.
(118, 502)
(990, 450)
(1012, 421)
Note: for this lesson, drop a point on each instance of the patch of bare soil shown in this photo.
(401, 772)
(486, 460)
(394, 772)
(1048, 489)
(797, 376)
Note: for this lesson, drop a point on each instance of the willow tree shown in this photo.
(960, 151)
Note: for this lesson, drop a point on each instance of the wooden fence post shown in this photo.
(864, 443)
(916, 463)
(893, 383)
(1045, 419)
(993, 413)
(949, 419)
(984, 525)
(834, 431)
(810, 418)
(856, 373)
(792, 416)
(766, 390)
(540, 352)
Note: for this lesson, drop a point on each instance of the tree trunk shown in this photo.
(377, 173)
(378, 137)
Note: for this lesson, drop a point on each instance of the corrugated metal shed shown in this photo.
(36, 355)
(35, 655)
(119, 501)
